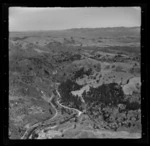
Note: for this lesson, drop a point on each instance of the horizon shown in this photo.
(58, 18)
(77, 28)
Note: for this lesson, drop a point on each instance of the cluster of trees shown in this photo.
(108, 103)
(108, 94)
(67, 98)
(67, 57)
(81, 72)
(69, 85)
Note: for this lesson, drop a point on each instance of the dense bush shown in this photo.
(108, 94)
(67, 98)
(81, 72)
(108, 103)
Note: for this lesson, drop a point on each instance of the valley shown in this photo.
(75, 83)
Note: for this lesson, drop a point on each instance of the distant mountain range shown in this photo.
(80, 29)
(109, 31)
(85, 32)
(136, 27)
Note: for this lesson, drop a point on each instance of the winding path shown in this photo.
(49, 120)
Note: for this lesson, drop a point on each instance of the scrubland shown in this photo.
(77, 83)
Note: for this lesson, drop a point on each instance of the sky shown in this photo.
(58, 18)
